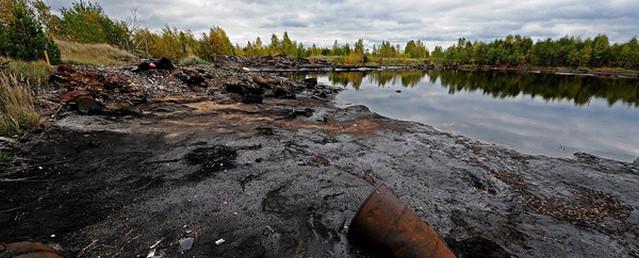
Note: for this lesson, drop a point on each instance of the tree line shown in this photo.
(518, 50)
(28, 27)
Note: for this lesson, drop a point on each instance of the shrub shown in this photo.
(17, 111)
(86, 22)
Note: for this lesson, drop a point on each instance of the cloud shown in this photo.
(435, 22)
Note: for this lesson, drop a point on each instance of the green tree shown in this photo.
(86, 22)
(22, 36)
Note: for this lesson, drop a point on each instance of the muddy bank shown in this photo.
(282, 177)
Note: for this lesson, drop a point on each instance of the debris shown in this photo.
(161, 64)
(220, 241)
(388, 223)
(156, 244)
(186, 244)
(151, 254)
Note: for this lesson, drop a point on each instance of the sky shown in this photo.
(434, 22)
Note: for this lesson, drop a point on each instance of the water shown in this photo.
(533, 113)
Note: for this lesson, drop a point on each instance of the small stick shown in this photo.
(87, 247)
(46, 57)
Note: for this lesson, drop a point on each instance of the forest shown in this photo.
(30, 26)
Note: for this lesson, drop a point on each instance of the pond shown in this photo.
(555, 115)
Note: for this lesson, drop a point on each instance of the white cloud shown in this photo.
(436, 22)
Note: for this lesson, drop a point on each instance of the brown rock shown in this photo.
(72, 95)
(87, 105)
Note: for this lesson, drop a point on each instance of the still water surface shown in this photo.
(533, 113)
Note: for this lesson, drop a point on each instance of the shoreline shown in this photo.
(180, 157)
(314, 65)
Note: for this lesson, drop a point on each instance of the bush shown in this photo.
(17, 111)
(92, 54)
(86, 22)
(22, 37)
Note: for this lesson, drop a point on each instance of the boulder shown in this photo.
(192, 78)
(285, 91)
(250, 93)
(310, 82)
(87, 105)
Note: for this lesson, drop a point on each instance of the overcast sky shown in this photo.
(435, 22)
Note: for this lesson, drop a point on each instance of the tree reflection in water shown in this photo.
(550, 87)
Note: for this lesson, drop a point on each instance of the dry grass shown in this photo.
(35, 73)
(92, 54)
(17, 111)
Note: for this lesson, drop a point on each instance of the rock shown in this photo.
(186, 244)
(192, 78)
(72, 95)
(307, 112)
(87, 105)
(250, 93)
(286, 91)
(118, 81)
(310, 82)
(260, 80)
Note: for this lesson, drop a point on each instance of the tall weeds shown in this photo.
(17, 111)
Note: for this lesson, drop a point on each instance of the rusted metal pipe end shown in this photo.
(386, 222)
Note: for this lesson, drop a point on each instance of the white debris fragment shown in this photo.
(220, 241)
(156, 244)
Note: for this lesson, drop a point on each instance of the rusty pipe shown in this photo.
(388, 223)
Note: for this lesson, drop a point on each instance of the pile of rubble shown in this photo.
(123, 91)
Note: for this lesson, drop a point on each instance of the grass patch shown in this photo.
(17, 111)
(191, 60)
(92, 54)
(35, 73)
